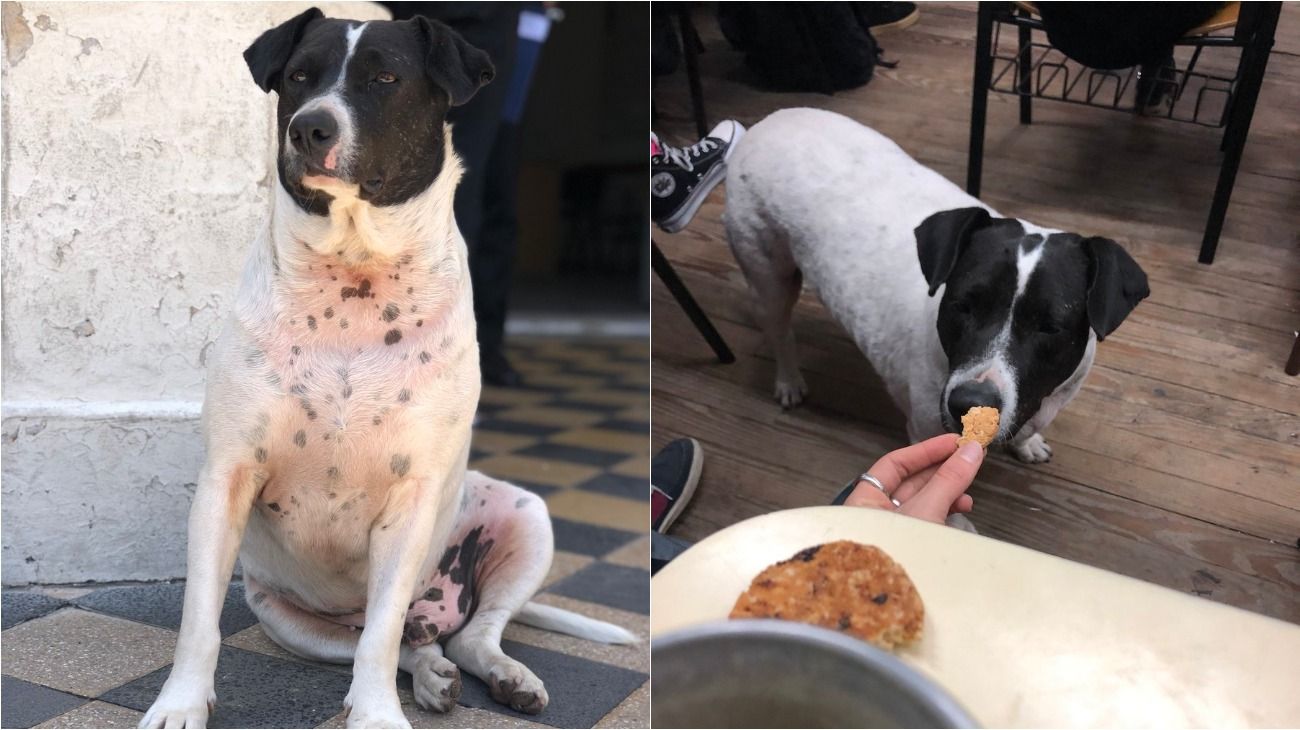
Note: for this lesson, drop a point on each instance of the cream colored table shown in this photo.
(1024, 639)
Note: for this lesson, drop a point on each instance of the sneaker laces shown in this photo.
(682, 156)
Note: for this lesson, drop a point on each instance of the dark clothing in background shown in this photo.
(485, 200)
(803, 46)
(1109, 35)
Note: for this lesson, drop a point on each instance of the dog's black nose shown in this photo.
(313, 133)
(970, 394)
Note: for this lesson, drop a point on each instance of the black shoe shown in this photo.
(497, 371)
(681, 178)
(891, 16)
(674, 474)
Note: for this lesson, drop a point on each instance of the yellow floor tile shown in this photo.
(635, 554)
(558, 417)
(495, 442)
(531, 469)
(638, 466)
(599, 509)
(599, 438)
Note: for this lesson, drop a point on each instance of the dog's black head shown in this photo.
(1019, 308)
(362, 105)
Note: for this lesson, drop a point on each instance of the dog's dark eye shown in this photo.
(1048, 327)
(385, 77)
(298, 76)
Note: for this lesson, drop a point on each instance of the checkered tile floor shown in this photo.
(577, 434)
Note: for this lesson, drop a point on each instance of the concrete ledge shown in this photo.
(97, 497)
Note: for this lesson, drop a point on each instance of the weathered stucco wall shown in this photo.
(137, 167)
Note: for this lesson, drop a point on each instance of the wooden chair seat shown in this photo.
(1222, 20)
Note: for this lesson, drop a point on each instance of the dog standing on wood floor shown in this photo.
(341, 393)
(814, 194)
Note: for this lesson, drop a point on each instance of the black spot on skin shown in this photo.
(343, 323)
(258, 598)
(347, 391)
(298, 389)
(442, 608)
(311, 322)
(400, 464)
(433, 594)
(300, 438)
(393, 337)
(403, 395)
(306, 406)
(405, 260)
(390, 312)
(448, 559)
(418, 631)
(425, 357)
(293, 499)
(329, 313)
(332, 473)
(446, 342)
(465, 571)
(522, 502)
(260, 455)
(482, 502)
(410, 290)
(295, 350)
(274, 506)
(881, 599)
(332, 495)
(361, 291)
(376, 421)
(419, 323)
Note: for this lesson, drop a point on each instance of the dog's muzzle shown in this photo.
(315, 136)
(971, 394)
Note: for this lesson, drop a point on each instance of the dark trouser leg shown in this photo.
(494, 253)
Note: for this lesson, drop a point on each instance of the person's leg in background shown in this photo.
(493, 263)
(492, 27)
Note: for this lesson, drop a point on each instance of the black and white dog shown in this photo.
(814, 194)
(340, 397)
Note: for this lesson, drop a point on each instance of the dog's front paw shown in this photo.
(1033, 450)
(181, 703)
(437, 682)
(367, 710)
(511, 683)
(789, 392)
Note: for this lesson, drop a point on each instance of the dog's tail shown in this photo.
(550, 618)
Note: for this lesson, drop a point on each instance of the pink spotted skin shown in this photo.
(355, 372)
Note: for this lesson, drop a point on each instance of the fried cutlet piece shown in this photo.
(842, 585)
(980, 424)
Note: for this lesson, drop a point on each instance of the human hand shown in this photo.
(928, 479)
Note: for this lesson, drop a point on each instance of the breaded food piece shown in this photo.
(843, 585)
(980, 424)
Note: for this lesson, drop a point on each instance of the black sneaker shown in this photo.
(682, 177)
(674, 472)
(891, 16)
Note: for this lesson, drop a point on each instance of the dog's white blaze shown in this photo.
(1026, 262)
(354, 35)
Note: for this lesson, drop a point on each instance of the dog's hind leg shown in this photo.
(512, 572)
(774, 282)
(435, 678)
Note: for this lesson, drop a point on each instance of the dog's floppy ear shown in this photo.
(1115, 285)
(941, 238)
(454, 65)
(270, 52)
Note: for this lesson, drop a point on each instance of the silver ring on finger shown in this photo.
(865, 477)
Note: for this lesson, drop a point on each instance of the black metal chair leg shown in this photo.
(980, 96)
(1255, 63)
(664, 269)
(690, 52)
(1025, 62)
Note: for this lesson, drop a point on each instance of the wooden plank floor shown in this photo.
(1179, 463)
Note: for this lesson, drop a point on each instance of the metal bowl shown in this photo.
(759, 673)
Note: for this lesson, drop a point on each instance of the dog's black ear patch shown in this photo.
(270, 52)
(941, 238)
(454, 65)
(1115, 285)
